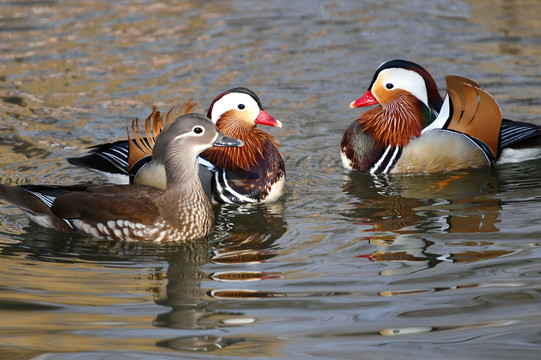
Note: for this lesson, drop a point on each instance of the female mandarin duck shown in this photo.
(251, 174)
(136, 212)
(414, 131)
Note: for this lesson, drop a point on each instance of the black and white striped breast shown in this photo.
(386, 161)
(231, 187)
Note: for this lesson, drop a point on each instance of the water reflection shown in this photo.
(403, 211)
(74, 73)
(200, 343)
(48, 245)
(249, 232)
(247, 235)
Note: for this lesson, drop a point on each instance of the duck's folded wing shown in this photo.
(101, 208)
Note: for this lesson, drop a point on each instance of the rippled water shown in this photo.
(346, 265)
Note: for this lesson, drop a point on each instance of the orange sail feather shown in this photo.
(141, 146)
(475, 112)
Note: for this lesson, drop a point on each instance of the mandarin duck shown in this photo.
(414, 131)
(135, 212)
(251, 174)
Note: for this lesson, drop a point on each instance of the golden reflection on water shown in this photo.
(190, 302)
(510, 19)
(398, 219)
(75, 73)
(40, 290)
(32, 292)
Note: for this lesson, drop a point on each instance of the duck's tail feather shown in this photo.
(518, 134)
(36, 201)
(110, 158)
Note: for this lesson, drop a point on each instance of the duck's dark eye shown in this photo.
(389, 86)
(241, 106)
(198, 130)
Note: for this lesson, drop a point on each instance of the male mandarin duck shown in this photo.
(414, 131)
(135, 212)
(251, 174)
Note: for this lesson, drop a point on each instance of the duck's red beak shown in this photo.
(265, 119)
(366, 100)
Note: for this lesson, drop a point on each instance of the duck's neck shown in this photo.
(395, 123)
(184, 199)
(240, 158)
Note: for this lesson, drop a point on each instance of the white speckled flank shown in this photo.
(115, 230)
(191, 219)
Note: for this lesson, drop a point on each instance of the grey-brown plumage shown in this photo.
(136, 212)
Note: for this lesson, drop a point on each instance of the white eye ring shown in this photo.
(198, 130)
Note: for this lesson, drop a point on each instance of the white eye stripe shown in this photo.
(184, 135)
(191, 133)
(232, 101)
(408, 80)
(180, 136)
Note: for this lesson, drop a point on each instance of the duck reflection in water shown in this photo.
(250, 241)
(402, 210)
(245, 236)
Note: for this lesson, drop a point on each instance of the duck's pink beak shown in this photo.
(366, 100)
(265, 119)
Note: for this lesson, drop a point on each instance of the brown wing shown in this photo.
(103, 203)
(475, 112)
(141, 146)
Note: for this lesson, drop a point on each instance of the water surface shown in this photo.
(346, 265)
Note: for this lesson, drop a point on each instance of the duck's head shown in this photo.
(394, 77)
(242, 107)
(236, 113)
(181, 142)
